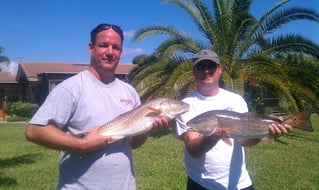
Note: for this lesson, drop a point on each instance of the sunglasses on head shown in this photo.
(106, 26)
(206, 65)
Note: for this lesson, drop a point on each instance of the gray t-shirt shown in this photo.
(76, 106)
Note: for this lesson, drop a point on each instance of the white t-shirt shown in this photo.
(223, 166)
(76, 106)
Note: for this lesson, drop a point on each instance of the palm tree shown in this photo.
(3, 59)
(247, 46)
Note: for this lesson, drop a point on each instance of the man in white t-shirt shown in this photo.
(212, 163)
(72, 113)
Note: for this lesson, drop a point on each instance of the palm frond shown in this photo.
(290, 43)
(181, 77)
(279, 18)
(250, 51)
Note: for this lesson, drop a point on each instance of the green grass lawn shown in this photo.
(24, 165)
(291, 163)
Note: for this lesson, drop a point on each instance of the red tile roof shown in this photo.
(30, 70)
(7, 77)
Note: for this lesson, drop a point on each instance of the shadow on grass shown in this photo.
(298, 137)
(161, 133)
(6, 181)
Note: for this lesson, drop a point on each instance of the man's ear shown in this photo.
(90, 47)
(220, 69)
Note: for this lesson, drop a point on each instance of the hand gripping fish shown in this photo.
(140, 120)
(244, 125)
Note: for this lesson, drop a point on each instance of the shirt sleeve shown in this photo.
(56, 109)
(240, 105)
(181, 121)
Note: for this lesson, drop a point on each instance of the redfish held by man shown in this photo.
(244, 125)
(140, 120)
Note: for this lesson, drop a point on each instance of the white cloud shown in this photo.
(12, 67)
(128, 51)
(129, 33)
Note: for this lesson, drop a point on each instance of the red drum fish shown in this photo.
(244, 125)
(140, 119)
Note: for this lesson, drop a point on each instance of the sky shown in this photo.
(58, 30)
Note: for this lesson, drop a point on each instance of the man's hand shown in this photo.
(278, 130)
(94, 140)
(160, 124)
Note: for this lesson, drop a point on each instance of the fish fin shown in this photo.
(153, 111)
(221, 131)
(217, 131)
(250, 113)
(205, 133)
(226, 131)
(115, 138)
(227, 141)
(268, 139)
(168, 116)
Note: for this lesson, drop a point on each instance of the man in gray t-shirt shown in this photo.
(72, 113)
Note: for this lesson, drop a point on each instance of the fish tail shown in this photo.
(301, 121)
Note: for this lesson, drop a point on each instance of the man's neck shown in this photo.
(105, 77)
(208, 91)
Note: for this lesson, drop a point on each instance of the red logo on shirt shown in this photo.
(126, 101)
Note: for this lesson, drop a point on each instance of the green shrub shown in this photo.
(22, 109)
(10, 108)
(15, 118)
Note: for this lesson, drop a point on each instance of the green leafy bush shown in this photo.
(15, 118)
(22, 109)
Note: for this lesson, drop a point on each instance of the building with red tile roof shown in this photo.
(34, 80)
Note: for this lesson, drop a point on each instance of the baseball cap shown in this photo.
(206, 55)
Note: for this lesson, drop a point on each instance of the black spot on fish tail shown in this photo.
(301, 121)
